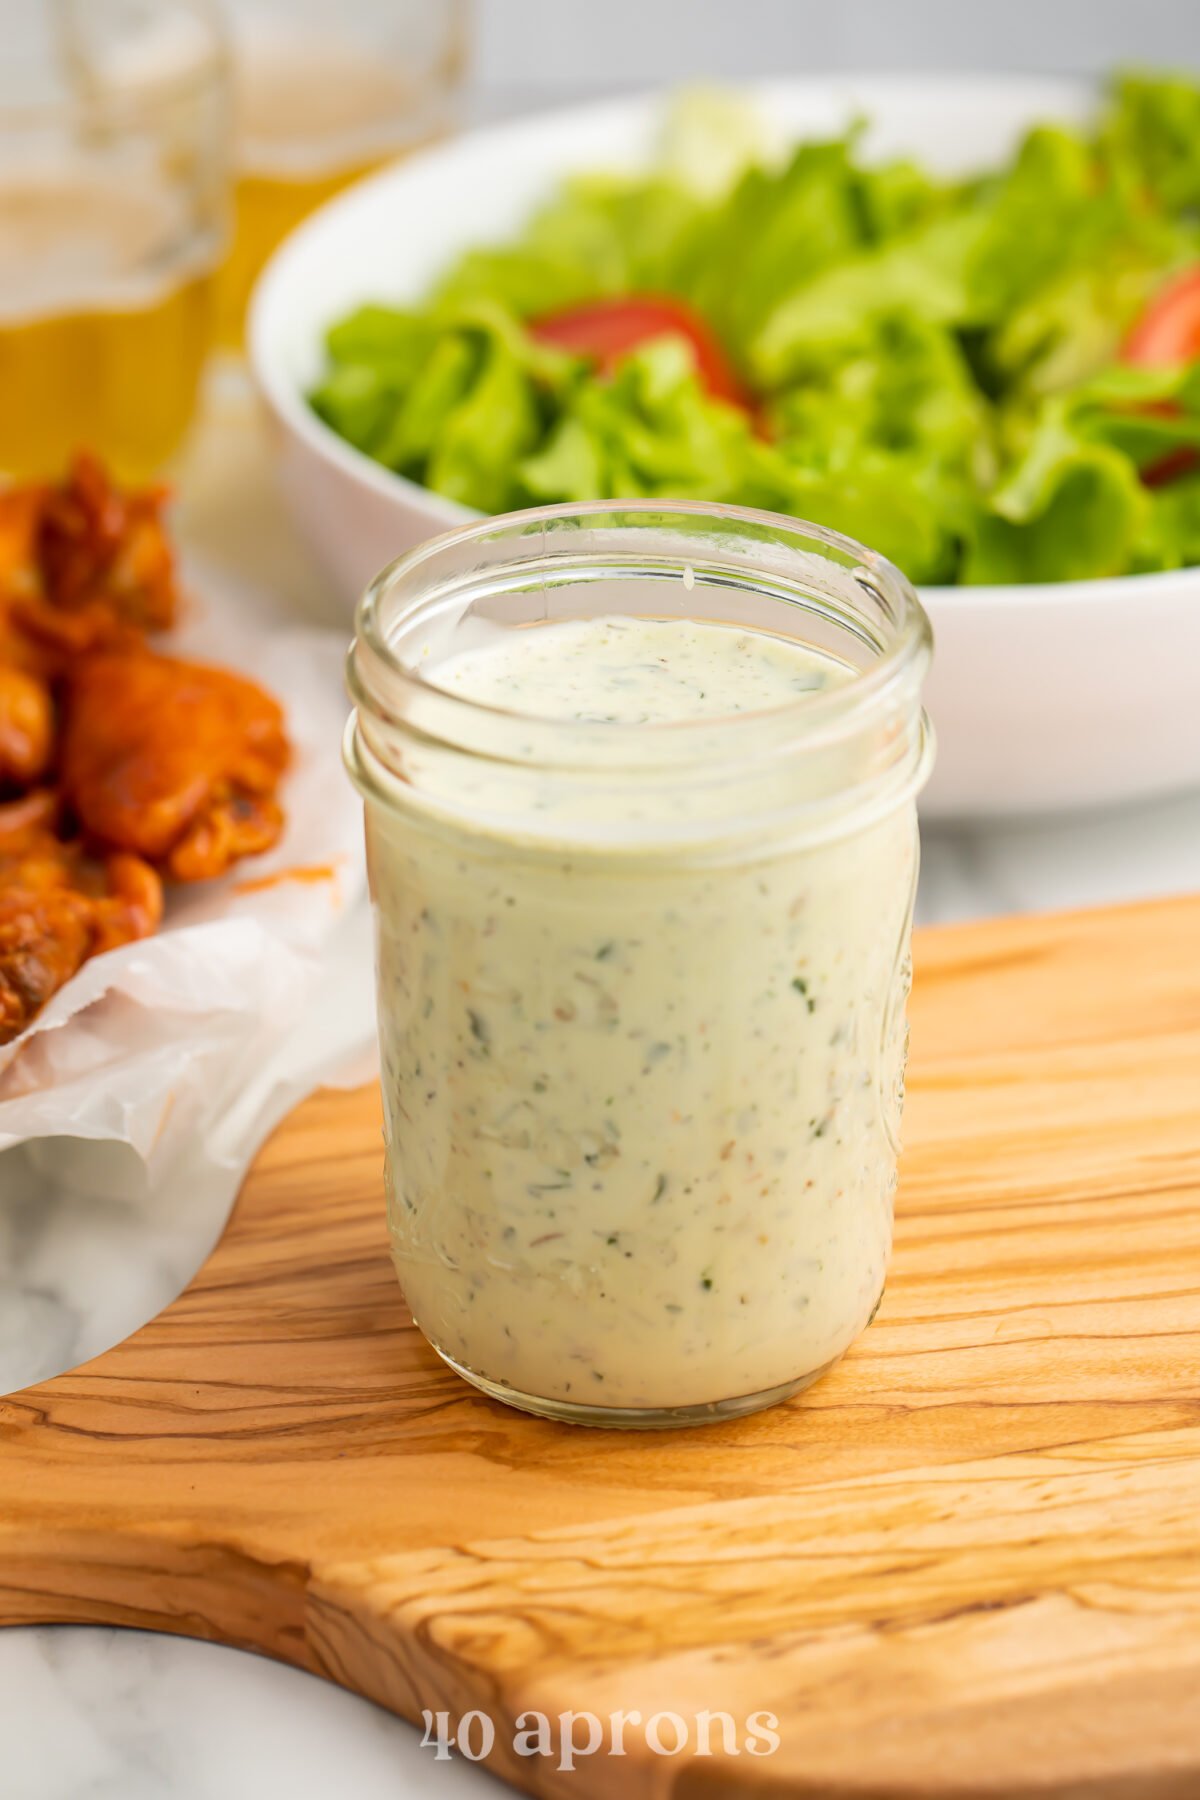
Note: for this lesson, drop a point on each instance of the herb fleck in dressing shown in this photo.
(641, 1103)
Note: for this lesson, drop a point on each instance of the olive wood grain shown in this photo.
(967, 1563)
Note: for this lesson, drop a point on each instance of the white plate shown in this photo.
(1051, 696)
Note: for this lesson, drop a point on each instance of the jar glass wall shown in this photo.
(642, 961)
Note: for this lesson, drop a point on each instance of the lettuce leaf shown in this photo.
(651, 429)
(914, 516)
(936, 363)
(1068, 510)
(1031, 218)
(922, 273)
(776, 232)
(1170, 534)
(599, 235)
(1153, 127)
(904, 385)
(375, 355)
(1148, 414)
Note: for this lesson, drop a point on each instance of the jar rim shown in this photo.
(396, 692)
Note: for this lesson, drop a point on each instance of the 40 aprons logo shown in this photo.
(569, 1736)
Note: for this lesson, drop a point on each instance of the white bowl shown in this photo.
(1052, 696)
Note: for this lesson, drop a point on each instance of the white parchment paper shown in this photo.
(151, 1045)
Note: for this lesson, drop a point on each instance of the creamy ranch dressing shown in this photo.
(628, 671)
(641, 1107)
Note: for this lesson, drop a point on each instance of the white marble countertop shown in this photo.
(89, 1714)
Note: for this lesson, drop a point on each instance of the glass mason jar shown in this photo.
(641, 986)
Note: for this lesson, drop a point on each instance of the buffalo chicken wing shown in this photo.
(126, 766)
(172, 760)
(26, 727)
(26, 707)
(58, 906)
(81, 565)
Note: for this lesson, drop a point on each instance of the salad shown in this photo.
(991, 380)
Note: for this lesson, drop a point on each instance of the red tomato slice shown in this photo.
(1169, 330)
(607, 330)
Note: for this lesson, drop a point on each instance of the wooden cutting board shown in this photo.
(967, 1563)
